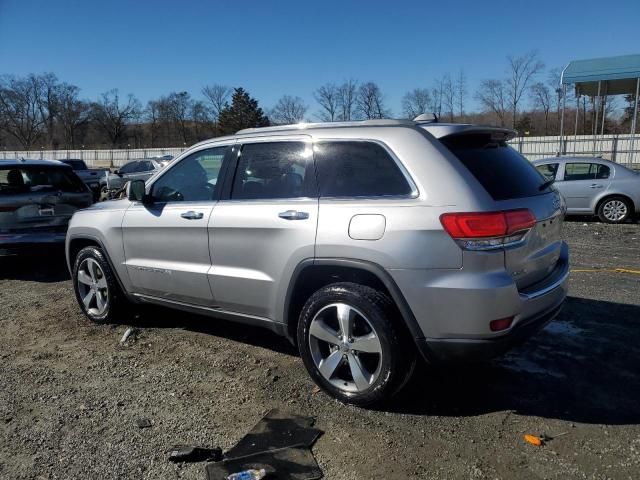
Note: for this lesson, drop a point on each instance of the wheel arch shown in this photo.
(312, 274)
(609, 195)
(77, 242)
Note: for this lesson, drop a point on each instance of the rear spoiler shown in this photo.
(443, 130)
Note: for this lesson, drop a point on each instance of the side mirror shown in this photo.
(116, 172)
(136, 191)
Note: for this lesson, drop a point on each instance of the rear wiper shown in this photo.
(546, 184)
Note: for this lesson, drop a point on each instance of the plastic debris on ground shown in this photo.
(188, 453)
(279, 443)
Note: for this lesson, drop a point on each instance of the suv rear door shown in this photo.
(264, 225)
(39, 198)
(514, 183)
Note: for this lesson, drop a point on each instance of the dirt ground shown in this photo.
(70, 393)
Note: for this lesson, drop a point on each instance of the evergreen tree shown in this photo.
(243, 112)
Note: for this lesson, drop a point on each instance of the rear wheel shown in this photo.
(353, 345)
(96, 287)
(614, 210)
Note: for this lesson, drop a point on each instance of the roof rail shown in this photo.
(304, 126)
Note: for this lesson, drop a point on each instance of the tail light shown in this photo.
(8, 209)
(488, 230)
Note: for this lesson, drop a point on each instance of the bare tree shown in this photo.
(416, 102)
(437, 94)
(370, 101)
(72, 113)
(493, 97)
(200, 117)
(461, 92)
(449, 95)
(521, 71)
(347, 93)
(152, 115)
(328, 97)
(542, 98)
(288, 110)
(180, 105)
(20, 114)
(113, 116)
(217, 96)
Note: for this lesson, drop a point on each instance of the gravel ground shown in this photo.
(70, 393)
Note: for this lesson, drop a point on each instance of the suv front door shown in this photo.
(264, 225)
(166, 242)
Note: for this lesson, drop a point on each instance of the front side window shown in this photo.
(358, 169)
(194, 179)
(145, 166)
(549, 170)
(273, 170)
(585, 171)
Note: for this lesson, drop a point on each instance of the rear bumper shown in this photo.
(16, 243)
(465, 350)
(455, 307)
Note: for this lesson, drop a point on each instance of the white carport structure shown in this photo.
(599, 78)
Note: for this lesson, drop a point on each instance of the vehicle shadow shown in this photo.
(159, 317)
(583, 367)
(45, 265)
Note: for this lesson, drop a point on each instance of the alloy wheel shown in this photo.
(345, 347)
(92, 286)
(614, 210)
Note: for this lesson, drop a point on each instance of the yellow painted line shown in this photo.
(612, 270)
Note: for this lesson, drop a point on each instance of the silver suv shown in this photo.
(363, 243)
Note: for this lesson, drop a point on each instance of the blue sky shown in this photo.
(272, 48)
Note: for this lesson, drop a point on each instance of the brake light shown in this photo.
(487, 230)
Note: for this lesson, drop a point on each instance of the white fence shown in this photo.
(94, 158)
(623, 149)
(619, 148)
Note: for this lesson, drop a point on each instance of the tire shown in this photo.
(96, 288)
(615, 210)
(377, 347)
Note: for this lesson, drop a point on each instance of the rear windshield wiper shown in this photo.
(546, 184)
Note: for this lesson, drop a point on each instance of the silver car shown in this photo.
(594, 186)
(364, 243)
(139, 169)
(37, 199)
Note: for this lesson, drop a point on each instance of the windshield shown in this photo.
(32, 178)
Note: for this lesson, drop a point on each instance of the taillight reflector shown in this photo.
(500, 324)
(487, 224)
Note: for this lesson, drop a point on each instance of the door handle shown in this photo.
(191, 215)
(595, 185)
(293, 215)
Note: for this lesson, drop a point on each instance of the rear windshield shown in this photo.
(32, 178)
(503, 172)
(76, 164)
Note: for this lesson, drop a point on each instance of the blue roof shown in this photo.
(618, 74)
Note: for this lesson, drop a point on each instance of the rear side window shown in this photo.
(549, 170)
(358, 169)
(33, 179)
(273, 170)
(503, 172)
(585, 171)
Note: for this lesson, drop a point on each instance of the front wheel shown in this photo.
(614, 210)
(96, 287)
(353, 344)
